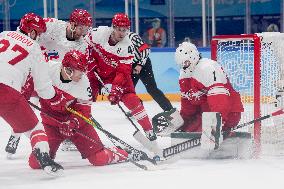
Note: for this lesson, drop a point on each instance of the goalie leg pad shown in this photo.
(211, 136)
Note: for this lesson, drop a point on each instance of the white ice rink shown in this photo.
(183, 174)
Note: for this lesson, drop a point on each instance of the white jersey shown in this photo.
(207, 71)
(123, 49)
(80, 90)
(54, 41)
(20, 55)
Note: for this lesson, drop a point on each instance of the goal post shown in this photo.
(253, 64)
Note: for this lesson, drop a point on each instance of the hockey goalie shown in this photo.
(209, 103)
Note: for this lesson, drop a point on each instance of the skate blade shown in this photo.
(49, 172)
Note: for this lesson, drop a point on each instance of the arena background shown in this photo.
(182, 19)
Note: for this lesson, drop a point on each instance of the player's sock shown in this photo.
(40, 148)
(133, 103)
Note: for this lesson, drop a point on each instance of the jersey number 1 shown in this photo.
(23, 53)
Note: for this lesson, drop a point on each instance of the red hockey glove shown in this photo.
(69, 127)
(115, 95)
(59, 102)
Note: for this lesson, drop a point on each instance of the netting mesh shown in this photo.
(236, 55)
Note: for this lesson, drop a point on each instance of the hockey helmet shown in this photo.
(187, 55)
(81, 17)
(74, 59)
(32, 21)
(121, 20)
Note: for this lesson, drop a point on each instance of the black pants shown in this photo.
(147, 77)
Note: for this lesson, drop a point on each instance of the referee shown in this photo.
(142, 69)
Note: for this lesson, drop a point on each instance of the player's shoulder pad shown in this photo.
(204, 70)
(97, 34)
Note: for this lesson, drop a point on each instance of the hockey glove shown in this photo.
(59, 102)
(115, 95)
(69, 127)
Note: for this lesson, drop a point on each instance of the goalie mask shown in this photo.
(187, 55)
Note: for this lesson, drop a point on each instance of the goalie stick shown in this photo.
(196, 141)
(144, 167)
(138, 154)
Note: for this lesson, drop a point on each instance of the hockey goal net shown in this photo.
(254, 66)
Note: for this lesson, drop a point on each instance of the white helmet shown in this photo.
(187, 55)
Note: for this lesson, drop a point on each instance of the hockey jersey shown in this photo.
(109, 60)
(54, 42)
(207, 89)
(77, 95)
(20, 55)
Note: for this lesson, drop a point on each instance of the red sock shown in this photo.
(133, 103)
(38, 136)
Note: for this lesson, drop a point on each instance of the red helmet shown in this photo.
(121, 20)
(32, 21)
(76, 60)
(81, 17)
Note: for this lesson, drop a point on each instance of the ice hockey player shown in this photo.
(21, 54)
(111, 56)
(70, 78)
(60, 37)
(204, 87)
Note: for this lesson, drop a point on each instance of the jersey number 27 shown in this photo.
(16, 48)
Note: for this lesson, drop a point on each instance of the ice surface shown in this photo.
(186, 173)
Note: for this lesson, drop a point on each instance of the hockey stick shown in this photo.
(117, 153)
(276, 113)
(191, 143)
(91, 139)
(137, 153)
(137, 134)
(180, 147)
